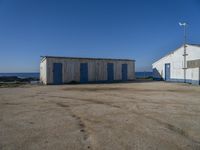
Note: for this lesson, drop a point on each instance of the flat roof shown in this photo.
(60, 57)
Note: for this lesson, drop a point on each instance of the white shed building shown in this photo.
(171, 66)
(60, 70)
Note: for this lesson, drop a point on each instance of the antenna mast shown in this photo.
(185, 52)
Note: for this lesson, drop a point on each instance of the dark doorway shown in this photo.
(110, 72)
(83, 72)
(124, 72)
(57, 73)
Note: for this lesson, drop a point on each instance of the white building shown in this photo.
(60, 70)
(171, 66)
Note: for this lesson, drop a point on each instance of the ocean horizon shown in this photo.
(37, 74)
(21, 75)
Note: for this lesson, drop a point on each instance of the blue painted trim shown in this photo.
(195, 82)
(167, 71)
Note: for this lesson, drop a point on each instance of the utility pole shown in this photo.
(185, 52)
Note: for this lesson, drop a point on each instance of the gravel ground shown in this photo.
(121, 116)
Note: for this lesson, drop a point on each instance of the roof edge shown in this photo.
(169, 54)
(44, 57)
(190, 44)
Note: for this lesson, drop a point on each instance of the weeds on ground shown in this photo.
(11, 84)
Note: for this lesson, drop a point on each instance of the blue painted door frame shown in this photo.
(83, 72)
(167, 72)
(57, 73)
(124, 72)
(110, 72)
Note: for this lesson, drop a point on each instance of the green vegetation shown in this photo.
(11, 84)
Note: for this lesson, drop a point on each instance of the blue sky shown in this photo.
(143, 30)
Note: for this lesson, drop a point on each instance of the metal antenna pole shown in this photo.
(184, 55)
(185, 52)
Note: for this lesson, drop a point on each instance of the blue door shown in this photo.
(124, 72)
(83, 72)
(167, 72)
(110, 72)
(57, 73)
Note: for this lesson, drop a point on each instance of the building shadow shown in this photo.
(156, 75)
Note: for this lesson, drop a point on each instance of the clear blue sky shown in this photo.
(143, 30)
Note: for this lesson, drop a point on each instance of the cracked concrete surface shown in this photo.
(141, 116)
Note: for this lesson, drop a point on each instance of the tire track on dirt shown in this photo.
(169, 126)
(91, 101)
(80, 123)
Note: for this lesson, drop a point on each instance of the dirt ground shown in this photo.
(121, 116)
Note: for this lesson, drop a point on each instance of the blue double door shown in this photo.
(167, 72)
(110, 72)
(84, 72)
(57, 73)
(124, 72)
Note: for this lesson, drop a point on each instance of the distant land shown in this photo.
(37, 74)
